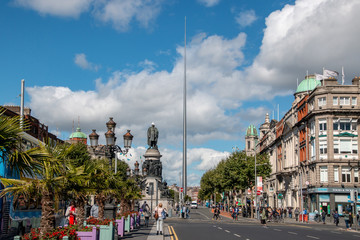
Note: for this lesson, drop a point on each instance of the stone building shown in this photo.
(313, 149)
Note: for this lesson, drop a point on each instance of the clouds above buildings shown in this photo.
(209, 3)
(246, 18)
(308, 35)
(81, 60)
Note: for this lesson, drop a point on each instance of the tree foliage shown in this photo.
(237, 172)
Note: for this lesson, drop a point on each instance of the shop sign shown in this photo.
(324, 198)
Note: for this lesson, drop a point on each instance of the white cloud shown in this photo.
(63, 8)
(119, 13)
(209, 3)
(81, 61)
(246, 18)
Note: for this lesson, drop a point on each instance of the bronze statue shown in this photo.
(152, 136)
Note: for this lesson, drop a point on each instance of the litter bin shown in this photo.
(305, 216)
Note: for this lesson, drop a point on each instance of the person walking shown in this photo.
(160, 215)
(351, 220)
(336, 218)
(297, 212)
(263, 217)
(290, 212)
(323, 216)
(70, 213)
(346, 219)
(146, 209)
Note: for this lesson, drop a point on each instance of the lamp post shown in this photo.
(111, 146)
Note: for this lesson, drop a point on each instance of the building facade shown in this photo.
(314, 148)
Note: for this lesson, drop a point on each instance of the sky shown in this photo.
(84, 61)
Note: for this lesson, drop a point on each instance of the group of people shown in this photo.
(160, 214)
(71, 213)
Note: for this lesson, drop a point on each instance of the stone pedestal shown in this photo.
(153, 167)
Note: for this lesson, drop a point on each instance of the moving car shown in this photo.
(194, 204)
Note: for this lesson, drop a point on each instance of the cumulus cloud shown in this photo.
(306, 36)
(246, 18)
(81, 61)
(63, 8)
(119, 13)
(209, 3)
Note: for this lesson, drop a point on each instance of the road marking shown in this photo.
(236, 235)
(277, 230)
(171, 234)
(335, 232)
(227, 231)
(176, 237)
(214, 226)
(293, 233)
(203, 215)
(312, 237)
(220, 228)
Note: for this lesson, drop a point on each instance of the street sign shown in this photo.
(181, 189)
(258, 192)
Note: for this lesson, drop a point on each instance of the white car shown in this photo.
(194, 204)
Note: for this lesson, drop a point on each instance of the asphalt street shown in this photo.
(201, 226)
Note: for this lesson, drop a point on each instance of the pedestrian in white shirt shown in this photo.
(160, 215)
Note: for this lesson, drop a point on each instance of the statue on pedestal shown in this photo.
(152, 136)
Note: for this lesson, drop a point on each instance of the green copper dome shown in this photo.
(308, 84)
(251, 131)
(78, 134)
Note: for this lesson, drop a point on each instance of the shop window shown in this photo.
(323, 174)
(336, 174)
(335, 101)
(345, 174)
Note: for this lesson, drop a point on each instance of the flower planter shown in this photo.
(93, 235)
(127, 223)
(107, 232)
(138, 217)
(120, 226)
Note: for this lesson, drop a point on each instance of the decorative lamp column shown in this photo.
(136, 168)
(94, 138)
(128, 140)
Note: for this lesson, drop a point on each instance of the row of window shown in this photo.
(345, 174)
(341, 146)
(344, 101)
(345, 124)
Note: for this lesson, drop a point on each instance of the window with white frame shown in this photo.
(323, 174)
(344, 100)
(356, 174)
(336, 174)
(322, 124)
(312, 143)
(344, 124)
(323, 146)
(322, 101)
(335, 101)
(353, 101)
(345, 146)
(345, 174)
(312, 127)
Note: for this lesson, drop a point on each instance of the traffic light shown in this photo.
(147, 189)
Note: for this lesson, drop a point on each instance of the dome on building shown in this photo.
(251, 131)
(78, 134)
(308, 84)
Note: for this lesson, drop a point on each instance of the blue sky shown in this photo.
(96, 59)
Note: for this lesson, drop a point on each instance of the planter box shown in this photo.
(132, 222)
(107, 232)
(127, 224)
(93, 235)
(120, 226)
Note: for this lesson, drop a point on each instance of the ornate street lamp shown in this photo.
(94, 138)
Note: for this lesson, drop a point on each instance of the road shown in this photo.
(201, 226)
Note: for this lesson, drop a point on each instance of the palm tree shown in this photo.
(48, 182)
(11, 152)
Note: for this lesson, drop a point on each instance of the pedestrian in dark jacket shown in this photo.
(323, 216)
(336, 218)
